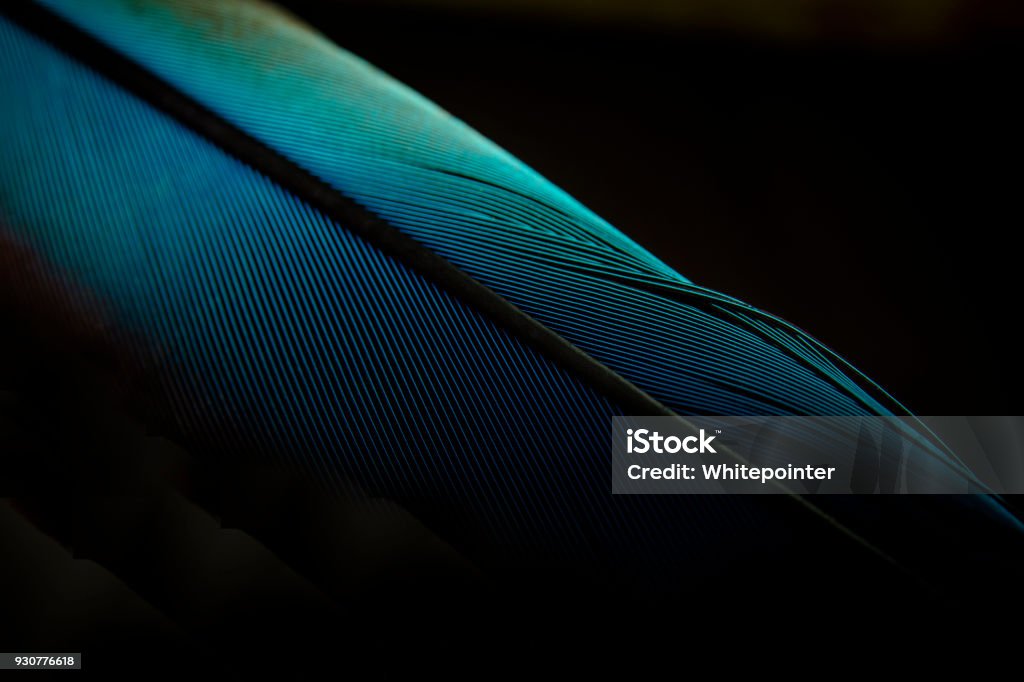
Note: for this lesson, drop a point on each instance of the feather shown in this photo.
(285, 328)
(440, 182)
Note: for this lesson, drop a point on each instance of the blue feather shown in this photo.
(282, 330)
(436, 179)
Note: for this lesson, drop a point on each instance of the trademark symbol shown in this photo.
(718, 431)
